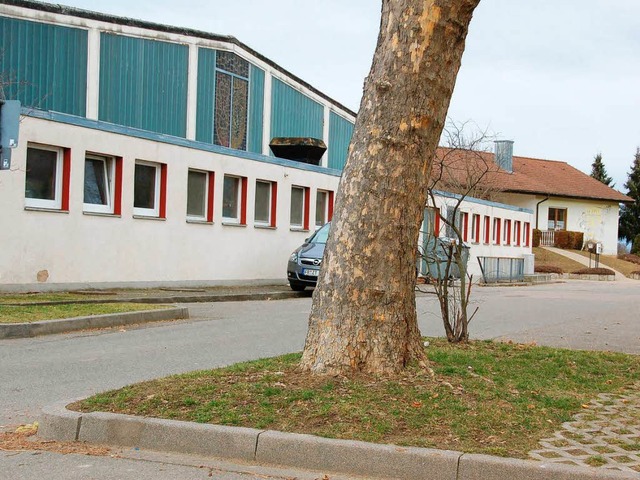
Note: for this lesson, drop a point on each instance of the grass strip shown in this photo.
(545, 258)
(484, 397)
(34, 313)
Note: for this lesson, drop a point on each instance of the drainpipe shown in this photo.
(537, 205)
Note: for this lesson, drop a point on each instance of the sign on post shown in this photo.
(9, 130)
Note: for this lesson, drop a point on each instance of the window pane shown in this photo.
(297, 206)
(321, 208)
(196, 194)
(144, 194)
(41, 174)
(95, 182)
(230, 196)
(239, 114)
(263, 202)
(232, 63)
(222, 124)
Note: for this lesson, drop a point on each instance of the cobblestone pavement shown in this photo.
(606, 435)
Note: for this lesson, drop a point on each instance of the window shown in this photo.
(47, 177)
(496, 231)
(200, 195)
(516, 232)
(266, 203)
(453, 219)
(102, 184)
(465, 226)
(234, 200)
(299, 213)
(475, 228)
(557, 219)
(149, 189)
(506, 235)
(525, 234)
(487, 229)
(231, 101)
(324, 207)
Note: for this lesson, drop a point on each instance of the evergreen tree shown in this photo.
(629, 225)
(599, 172)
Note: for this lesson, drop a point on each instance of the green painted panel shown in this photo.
(340, 132)
(256, 109)
(206, 94)
(44, 66)
(294, 114)
(143, 84)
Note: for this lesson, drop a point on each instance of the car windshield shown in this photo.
(321, 235)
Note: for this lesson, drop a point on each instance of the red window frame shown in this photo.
(507, 231)
(526, 233)
(487, 229)
(517, 233)
(497, 224)
(465, 226)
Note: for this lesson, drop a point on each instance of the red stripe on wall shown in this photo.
(162, 211)
(66, 178)
(243, 202)
(117, 187)
(274, 203)
(330, 208)
(307, 200)
(212, 178)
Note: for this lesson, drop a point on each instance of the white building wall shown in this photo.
(597, 219)
(479, 247)
(78, 248)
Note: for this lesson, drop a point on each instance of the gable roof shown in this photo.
(530, 175)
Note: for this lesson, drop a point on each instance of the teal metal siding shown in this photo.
(206, 94)
(44, 66)
(340, 132)
(143, 84)
(294, 114)
(256, 109)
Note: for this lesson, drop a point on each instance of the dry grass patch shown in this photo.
(612, 261)
(551, 262)
(484, 397)
(35, 313)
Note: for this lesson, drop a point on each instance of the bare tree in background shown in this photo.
(463, 169)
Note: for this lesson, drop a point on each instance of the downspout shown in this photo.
(538, 205)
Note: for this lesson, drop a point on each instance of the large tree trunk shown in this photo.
(363, 317)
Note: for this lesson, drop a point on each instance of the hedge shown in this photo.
(568, 240)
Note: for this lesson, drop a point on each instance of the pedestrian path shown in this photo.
(606, 434)
(585, 261)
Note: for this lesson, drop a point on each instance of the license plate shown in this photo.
(310, 273)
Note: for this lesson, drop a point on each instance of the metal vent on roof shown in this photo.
(300, 149)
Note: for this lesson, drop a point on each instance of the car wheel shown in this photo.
(297, 287)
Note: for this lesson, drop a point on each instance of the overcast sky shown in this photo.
(559, 77)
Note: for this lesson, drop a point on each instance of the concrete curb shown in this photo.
(230, 297)
(300, 451)
(49, 327)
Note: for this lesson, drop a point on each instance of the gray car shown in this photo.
(304, 263)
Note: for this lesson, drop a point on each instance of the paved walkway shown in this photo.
(585, 261)
(607, 434)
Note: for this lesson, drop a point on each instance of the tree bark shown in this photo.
(363, 317)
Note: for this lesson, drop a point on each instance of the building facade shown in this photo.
(143, 158)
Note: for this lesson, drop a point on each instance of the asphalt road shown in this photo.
(36, 372)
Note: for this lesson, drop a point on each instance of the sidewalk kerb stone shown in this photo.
(300, 450)
(169, 435)
(357, 458)
(486, 467)
(50, 327)
(58, 423)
